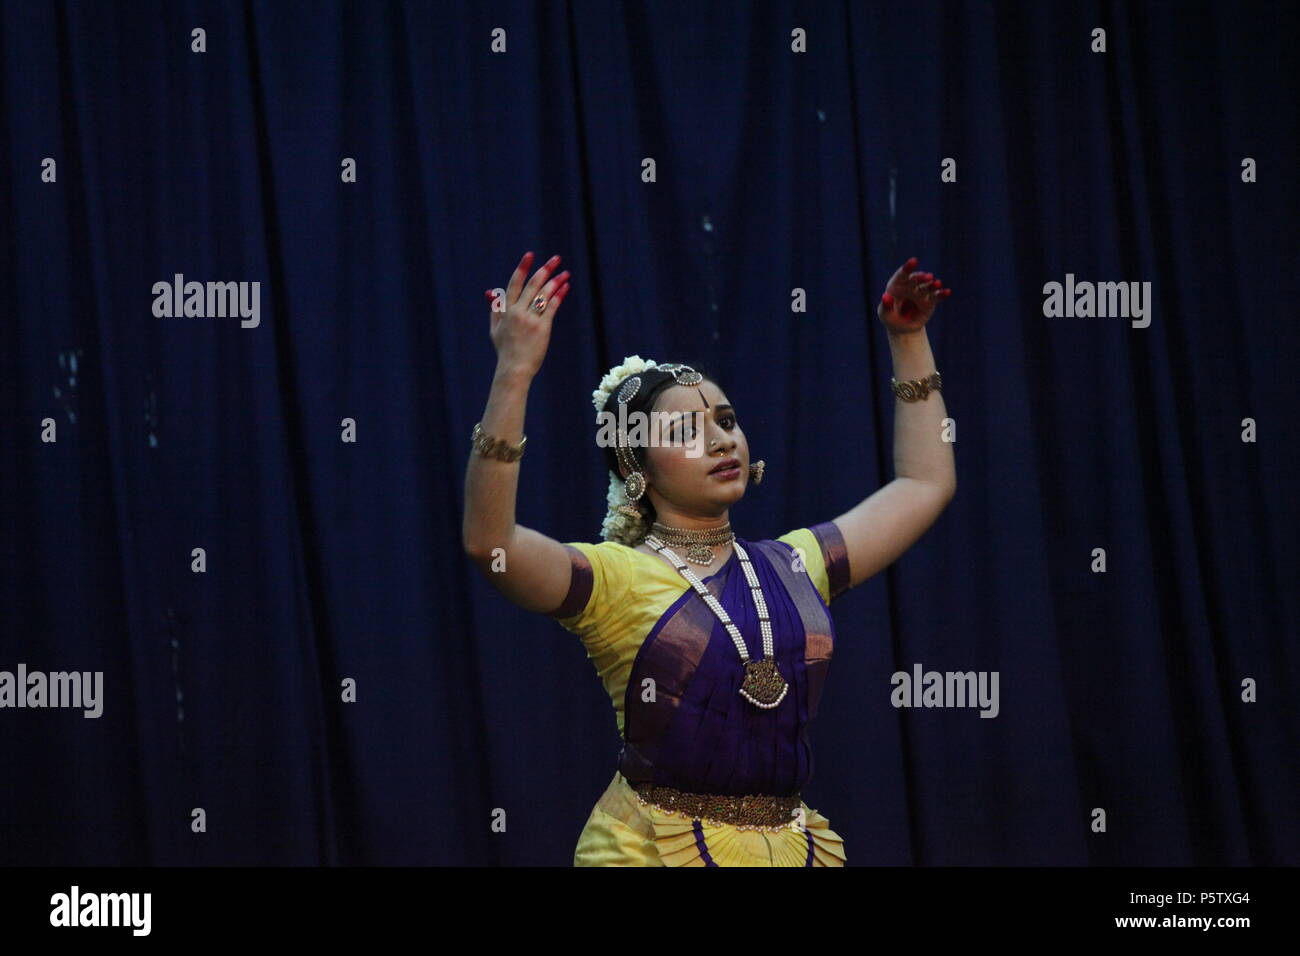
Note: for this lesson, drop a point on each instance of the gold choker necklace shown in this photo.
(695, 540)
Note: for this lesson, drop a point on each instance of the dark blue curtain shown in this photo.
(330, 561)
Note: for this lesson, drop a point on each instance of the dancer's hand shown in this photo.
(910, 299)
(519, 334)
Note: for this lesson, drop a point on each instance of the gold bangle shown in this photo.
(917, 389)
(489, 446)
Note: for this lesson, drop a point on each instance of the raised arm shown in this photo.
(529, 568)
(883, 525)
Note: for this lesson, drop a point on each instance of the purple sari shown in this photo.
(699, 734)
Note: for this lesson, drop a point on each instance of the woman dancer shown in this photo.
(715, 679)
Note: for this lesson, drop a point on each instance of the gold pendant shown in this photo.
(700, 554)
(763, 685)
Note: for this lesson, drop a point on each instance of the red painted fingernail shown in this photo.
(887, 300)
(911, 263)
(938, 283)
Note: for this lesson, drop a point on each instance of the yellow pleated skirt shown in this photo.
(622, 831)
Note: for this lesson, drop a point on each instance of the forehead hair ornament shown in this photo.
(634, 484)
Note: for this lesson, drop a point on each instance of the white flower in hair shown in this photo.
(631, 365)
(617, 525)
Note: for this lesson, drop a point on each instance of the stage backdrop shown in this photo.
(728, 183)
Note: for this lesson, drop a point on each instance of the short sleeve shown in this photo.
(599, 591)
(825, 557)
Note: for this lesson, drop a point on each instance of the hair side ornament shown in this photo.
(624, 522)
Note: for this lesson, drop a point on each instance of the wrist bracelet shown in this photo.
(917, 389)
(489, 446)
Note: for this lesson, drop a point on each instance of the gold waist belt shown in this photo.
(750, 812)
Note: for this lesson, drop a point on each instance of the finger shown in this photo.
(539, 277)
(911, 280)
(553, 304)
(548, 290)
(900, 274)
(517, 278)
(887, 301)
(547, 294)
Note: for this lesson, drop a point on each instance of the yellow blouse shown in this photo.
(630, 592)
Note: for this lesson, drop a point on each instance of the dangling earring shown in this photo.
(756, 471)
(633, 489)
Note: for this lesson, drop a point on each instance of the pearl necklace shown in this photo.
(763, 685)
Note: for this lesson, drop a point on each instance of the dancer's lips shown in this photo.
(727, 464)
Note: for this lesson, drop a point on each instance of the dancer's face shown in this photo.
(700, 421)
